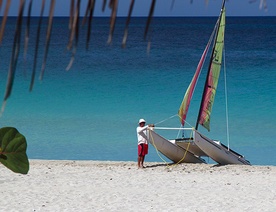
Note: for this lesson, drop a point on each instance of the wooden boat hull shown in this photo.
(171, 150)
(217, 151)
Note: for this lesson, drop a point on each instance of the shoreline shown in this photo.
(63, 185)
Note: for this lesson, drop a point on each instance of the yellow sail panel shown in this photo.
(213, 76)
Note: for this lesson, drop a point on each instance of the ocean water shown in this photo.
(91, 111)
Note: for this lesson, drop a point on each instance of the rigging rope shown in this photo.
(165, 119)
(158, 153)
(186, 122)
(153, 143)
(226, 100)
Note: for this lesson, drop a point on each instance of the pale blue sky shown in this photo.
(181, 8)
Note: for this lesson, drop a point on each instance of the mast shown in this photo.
(210, 66)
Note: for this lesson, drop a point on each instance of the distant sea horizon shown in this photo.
(146, 17)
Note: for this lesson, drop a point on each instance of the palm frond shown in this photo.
(37, 44)
(15, 53)
(8, 4)
(113, 5)
(127, 23)
(27, 32)
(49, 30)
(91, 12)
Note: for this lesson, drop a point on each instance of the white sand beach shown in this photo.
(120, 186)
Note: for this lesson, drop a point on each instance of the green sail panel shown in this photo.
(213, 76)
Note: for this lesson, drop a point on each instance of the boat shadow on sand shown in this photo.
(174, 164)
(158, 165)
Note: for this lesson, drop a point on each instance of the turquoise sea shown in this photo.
(91, 111)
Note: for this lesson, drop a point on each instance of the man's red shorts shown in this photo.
(143, 149)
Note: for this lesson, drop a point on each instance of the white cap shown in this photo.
(142, 120)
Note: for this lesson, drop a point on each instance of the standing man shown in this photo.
(142, 141)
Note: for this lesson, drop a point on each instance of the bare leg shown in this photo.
(142, 161)
(139, 161)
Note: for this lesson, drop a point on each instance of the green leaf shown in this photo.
(13, 148)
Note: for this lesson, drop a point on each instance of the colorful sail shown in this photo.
(213, 76)
(183, 110)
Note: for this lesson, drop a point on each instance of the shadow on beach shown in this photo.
(158, 165)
